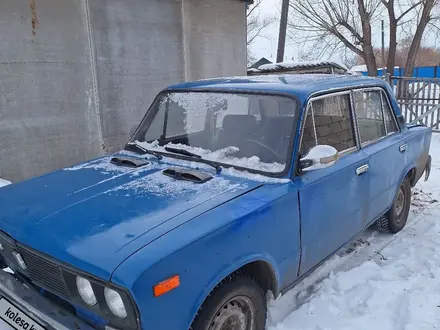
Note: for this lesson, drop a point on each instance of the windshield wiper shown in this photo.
(141, 150)
(193, 155)
(182, 152)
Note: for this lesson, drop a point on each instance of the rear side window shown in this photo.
(329, 122)
(390, 122)
(368, 107)
(374, 115)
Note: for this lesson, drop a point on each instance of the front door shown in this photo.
(333, 200)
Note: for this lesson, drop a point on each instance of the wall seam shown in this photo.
(184, 43)
(95, 83)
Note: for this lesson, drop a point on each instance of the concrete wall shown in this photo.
(77, 75)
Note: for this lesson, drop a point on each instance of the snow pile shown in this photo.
(224, 155)
(380, 281)
(105, 167)
(252, 176)
(4, 182)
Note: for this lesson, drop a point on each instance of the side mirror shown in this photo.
(318, 157)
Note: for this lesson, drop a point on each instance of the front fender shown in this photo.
(236, 265)
(262, 225)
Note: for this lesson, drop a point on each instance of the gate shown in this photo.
(419, 99)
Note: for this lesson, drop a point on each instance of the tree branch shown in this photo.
(406, 12)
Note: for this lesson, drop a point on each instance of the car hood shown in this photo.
(95, 215)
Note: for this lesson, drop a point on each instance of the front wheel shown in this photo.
(397, 216)
(236, 303)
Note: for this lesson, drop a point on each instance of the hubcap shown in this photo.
(237, 314)
(400, 203)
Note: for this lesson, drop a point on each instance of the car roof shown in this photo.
(299, 85)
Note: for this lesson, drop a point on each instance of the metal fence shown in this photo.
(419, 99)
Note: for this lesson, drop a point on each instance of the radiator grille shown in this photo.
(44, 272)
(39, 269)
(8, 248)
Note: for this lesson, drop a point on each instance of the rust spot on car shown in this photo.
(34, 16)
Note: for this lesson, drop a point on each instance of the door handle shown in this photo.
(403, 147)
(362, 169)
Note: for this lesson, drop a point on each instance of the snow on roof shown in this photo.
(359, 68)
(363, 68)
(303, 64)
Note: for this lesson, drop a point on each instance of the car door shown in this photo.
(381, 140)
(333, 200)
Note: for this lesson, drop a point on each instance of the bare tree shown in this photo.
(420, 15)
(256, 23)
(350, 23)
(339, 22)
(426, 56)
(425, 18)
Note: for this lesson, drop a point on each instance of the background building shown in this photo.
(77, 75)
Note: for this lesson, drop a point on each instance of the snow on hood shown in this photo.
(4, 182)
(108, 209)
(161, 185)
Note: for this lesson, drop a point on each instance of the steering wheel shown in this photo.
(276, 156)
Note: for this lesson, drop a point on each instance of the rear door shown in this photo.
(333, 200)
(382, 141)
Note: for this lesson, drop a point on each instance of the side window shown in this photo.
(390, 123)
(329, 122)
(369, 115)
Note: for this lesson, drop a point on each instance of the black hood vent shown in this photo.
(186, 175)
(129, 162)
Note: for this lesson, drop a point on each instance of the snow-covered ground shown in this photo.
(379, 281)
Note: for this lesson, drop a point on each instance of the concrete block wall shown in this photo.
(77, 75)
(335, 131)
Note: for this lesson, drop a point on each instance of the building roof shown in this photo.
(300, 85)
(259, 63)
(303, 66)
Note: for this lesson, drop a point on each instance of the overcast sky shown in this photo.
(267, 46)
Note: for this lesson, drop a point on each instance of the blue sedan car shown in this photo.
(228, 188)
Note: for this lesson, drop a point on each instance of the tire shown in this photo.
(236, 303)
(395, 219)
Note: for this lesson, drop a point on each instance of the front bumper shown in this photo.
(41, 309)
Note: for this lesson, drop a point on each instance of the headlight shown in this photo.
(103, 298)
(115, 303)
(85, 290)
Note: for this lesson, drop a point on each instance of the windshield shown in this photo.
(244, 130)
